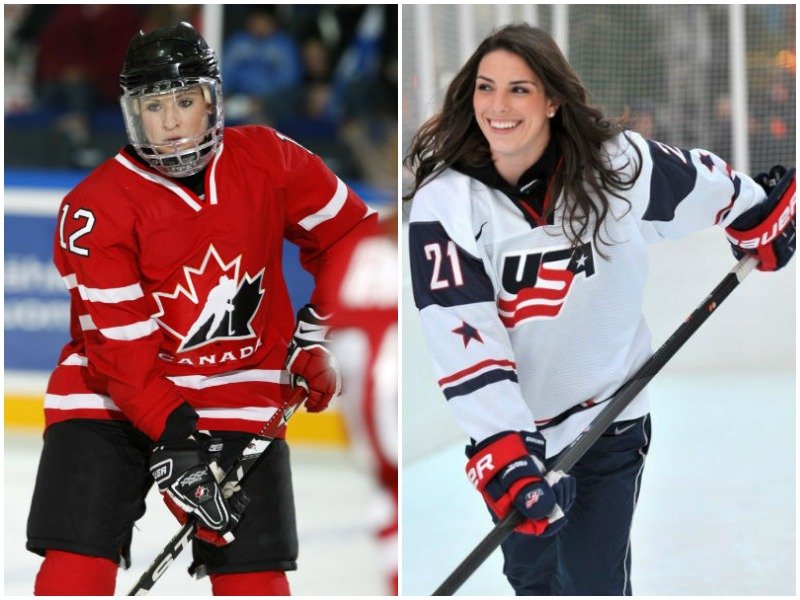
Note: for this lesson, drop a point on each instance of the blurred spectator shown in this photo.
(325, 75)
(783, 97)
(20, 65)
(317, 81)
(164, 15)
(364, 94)
(262, 69)
(81, 49)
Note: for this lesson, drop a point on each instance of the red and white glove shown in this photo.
(508, 469)
(187, 475)
(768, 230)
(310, 359)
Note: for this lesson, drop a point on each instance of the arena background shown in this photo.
(719, 77)
(329, 81)
(339, 100)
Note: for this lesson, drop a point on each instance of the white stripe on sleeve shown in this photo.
(248, 413)
(111, 295)
(70, 281)
(201, 382)
(87, 324)
(75, 360)
(78, 401)
(134, 331)
(329, 211)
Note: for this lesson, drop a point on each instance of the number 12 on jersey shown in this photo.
(71, 242)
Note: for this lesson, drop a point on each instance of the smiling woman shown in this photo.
(512, 111)
(520, 74)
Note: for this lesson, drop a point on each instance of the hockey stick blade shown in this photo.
(615, 404)
(234, 476)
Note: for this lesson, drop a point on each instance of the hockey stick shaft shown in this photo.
(614, 406)
(233, 477)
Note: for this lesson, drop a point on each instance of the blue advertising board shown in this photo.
(36, 300)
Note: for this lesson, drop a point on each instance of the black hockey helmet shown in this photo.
(161, 68)
(168, 53)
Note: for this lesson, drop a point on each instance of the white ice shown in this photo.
(716, 514)
(337, 550)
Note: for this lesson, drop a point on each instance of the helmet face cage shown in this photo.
(174, 157)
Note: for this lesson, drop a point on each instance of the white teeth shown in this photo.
(503, 124)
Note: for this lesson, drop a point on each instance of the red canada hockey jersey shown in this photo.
(365, 341)
(364, 325)
(177, 297)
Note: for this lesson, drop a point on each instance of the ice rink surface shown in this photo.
(716, 514)
(337, 550)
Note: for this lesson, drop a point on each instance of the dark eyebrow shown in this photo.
(510, 82)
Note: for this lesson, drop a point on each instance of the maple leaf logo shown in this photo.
(211, 303)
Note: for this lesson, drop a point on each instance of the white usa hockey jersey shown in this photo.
(528, 333)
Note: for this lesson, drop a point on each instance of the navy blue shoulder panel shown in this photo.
(442, 272)
(674, 177)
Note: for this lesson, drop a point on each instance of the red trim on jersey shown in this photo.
(724, 212)
(477, 367)
(541, 219)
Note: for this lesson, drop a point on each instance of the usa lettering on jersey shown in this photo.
(537, 284)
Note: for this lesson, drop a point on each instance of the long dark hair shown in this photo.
(452, 136)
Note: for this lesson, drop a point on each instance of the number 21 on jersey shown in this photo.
(433, 252)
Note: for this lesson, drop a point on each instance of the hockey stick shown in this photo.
(615, 405)
(233, 477)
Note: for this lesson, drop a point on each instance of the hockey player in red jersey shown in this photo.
(528, 238)
(364, 338)
(180, 322)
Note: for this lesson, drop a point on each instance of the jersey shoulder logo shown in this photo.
(212, 302)
(536, 284)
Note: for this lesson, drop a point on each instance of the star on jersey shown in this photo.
(468, 333)
(707, 161)
(581, 261)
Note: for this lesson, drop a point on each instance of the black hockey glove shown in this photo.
(508, 470)
(310, 359)
(187, 475)
(768, 230)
